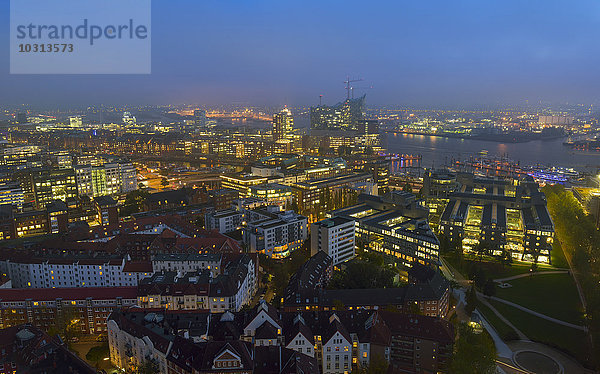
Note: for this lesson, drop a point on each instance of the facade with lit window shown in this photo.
(273, 193)
(500, 217)
(276, 234)
(84, 309)
(395, 225)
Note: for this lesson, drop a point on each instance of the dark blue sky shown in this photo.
(426, 53)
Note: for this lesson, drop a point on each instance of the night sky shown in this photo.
(413, 53)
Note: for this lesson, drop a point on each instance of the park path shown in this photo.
(520, 334)
(540, 315)
(500, 280)
(460, 279)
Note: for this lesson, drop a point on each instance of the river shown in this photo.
(438, 151)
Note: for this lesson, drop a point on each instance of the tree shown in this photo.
(471, 300)
(66, 324)
(534, 267)
(480, 249)
(294, 205)
(98, 353)
(377, 365)
(489, 288)
(444, 243)
(164, 182)
(147, 367)
(363, 274)
(413, 308)
(407, 187)
(473, 353)
(134, 202)
(505, 258)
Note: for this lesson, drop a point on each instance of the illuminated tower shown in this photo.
(283, 124)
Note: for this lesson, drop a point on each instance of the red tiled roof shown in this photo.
(138, 267)
(80, 293)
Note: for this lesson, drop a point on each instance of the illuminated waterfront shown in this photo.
(437, 151)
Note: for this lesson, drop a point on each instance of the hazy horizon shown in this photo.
(425, 54)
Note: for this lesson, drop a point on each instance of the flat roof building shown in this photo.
(498, 216)
(395, 225)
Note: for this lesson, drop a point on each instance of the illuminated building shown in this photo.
(223, 197)
(88, 308)
(317, 196)
(128, 119)
(200, 117)
(283, 124)
(11, 194)
(347, 115)
(107, 211)
(394, 225)
(556, 120)
(31, 223)
(75, 121)
(108, 179)
(223, 221)
(381, 174)
(272, 193)
(335, 237)
(53, 184)
(499, 217)
(58, 217)
(242, 182)
(275, 233)
(16, 157)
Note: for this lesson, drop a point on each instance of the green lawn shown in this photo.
(574, 342)
(506, 332)
(493, 269)
(558, 256)
(554, 295)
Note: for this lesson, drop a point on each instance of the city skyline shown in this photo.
(267, 53)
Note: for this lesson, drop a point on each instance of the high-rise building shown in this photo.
(346, 115)
(283, 124)
(381, 174)
(200, 117)
(21, 117)
(334, 236)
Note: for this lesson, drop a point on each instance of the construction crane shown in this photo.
(360, 88)
(348, 87)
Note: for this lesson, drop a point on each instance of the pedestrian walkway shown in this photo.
(501, 280)
(482, 299)
(540, 315)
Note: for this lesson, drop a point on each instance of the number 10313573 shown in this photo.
(45, 48)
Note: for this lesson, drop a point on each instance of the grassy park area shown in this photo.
(554, 295)
(504, 331)
(569, 340)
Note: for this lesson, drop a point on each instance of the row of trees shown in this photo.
(580, 241)
(369, 271)
(481, 251)
(277, 273)
(474, 353)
